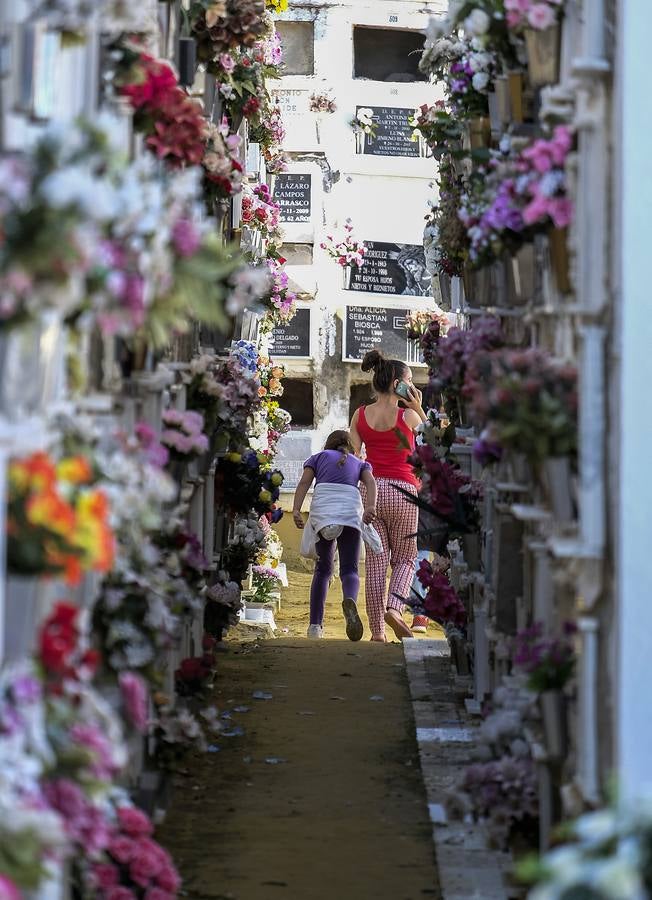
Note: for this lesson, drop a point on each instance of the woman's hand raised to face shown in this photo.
(413, 401)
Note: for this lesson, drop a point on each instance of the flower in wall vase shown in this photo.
(347, 273)
(557, 486)
(559, 261)
(543, 48)
(553, 715)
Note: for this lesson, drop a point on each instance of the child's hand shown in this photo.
(369, 514)
(298, 518)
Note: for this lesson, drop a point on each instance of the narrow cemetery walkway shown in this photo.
(318, 794)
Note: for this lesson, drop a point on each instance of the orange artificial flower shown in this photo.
(74, 470)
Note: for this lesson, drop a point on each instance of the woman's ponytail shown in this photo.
(386, 371)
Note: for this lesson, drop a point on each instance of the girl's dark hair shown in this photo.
(386, 371)
(340, 440)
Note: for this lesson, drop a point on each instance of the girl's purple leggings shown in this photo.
(348, 544)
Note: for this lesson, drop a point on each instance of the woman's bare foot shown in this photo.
(396, 623)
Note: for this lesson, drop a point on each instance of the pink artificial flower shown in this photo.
(227, 62)
(9, 891)
(561, 211)
(119, 893)
(168, 878)
(185, 237)
(122, 849)
(541, 16)
(134, 822)
(105, 875)
(135, 695)
(144, 866)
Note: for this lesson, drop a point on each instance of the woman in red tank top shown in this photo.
(387, 433)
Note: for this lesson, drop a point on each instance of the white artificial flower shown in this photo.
(480, 81)
(477, 23)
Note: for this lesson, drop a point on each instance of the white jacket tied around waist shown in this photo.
(336, 504)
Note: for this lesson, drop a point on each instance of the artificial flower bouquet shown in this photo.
(440, 601)
(604, 853)
(467, 70)
(266, 583)
(270, 132)
(548, 662)
(260, 212)
(248, 482)
(278, 421)
(58, 520)
(222, 164)
(451, 244)
(419, 322)
(246, 539)
(504, 205)
(280, 302)
(440, 128)
(183, 434)
(537, 14)
(451, 357)
(321, 104)
(172, 122)
(363, 122)
(529, 399)
(219, 26)
(346, 250)
(271, 376)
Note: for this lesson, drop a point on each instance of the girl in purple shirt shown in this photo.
(336, 514)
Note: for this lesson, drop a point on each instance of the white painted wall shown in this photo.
(633, 141)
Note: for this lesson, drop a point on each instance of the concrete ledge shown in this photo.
(468, 870)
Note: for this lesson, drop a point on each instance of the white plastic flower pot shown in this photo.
(558, 487)
(553, 714)
(20, 616)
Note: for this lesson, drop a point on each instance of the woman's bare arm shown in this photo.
(355, 434)
(300, 495)
(372, 493)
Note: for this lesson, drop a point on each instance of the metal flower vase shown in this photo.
(543, 49)
(347, 274)
(520, 276)
(555, 725)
